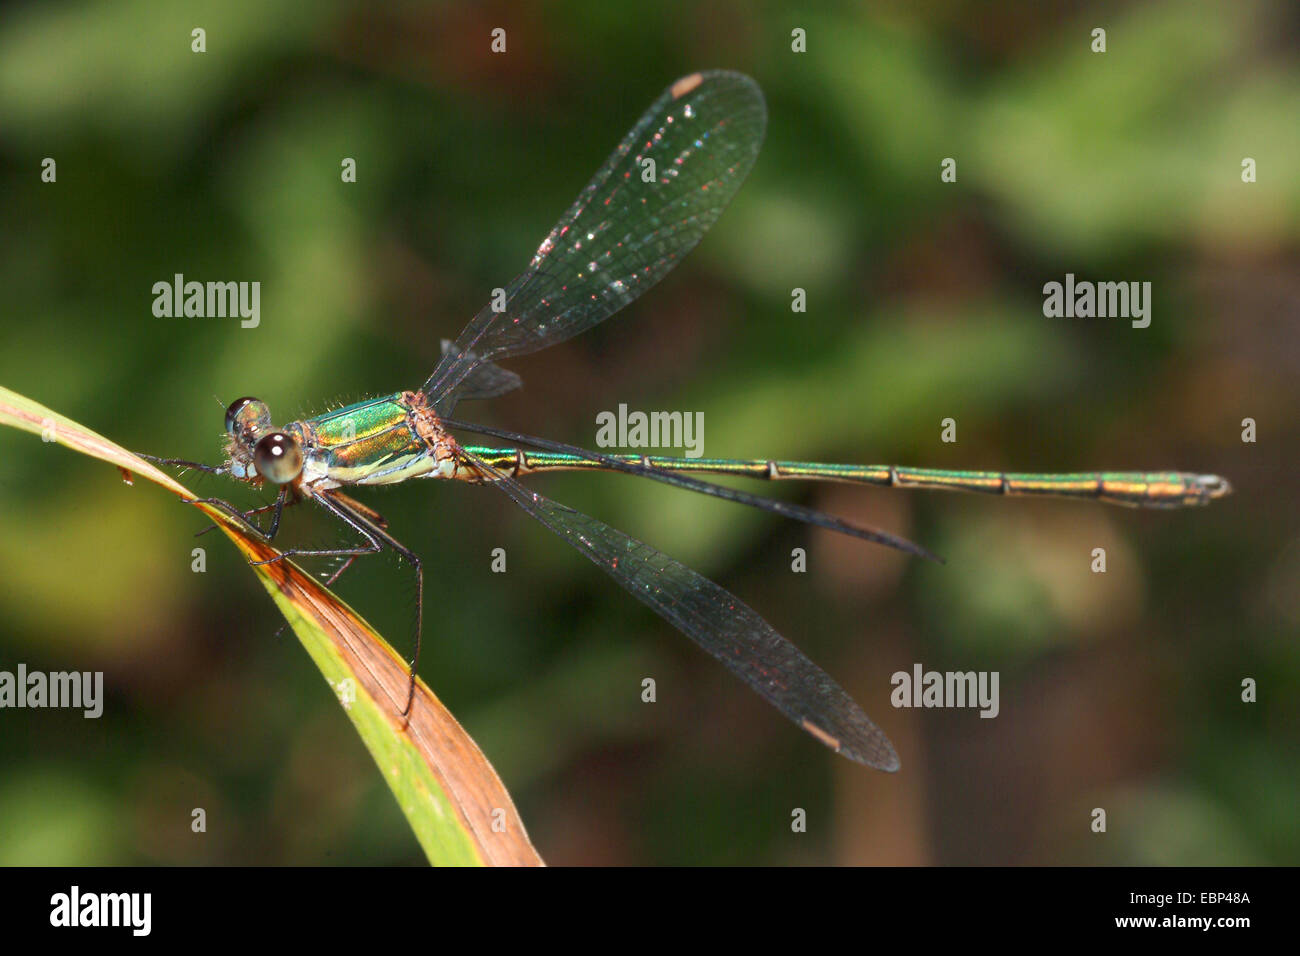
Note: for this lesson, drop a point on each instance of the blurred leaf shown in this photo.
(75, 61)
(1149, 135)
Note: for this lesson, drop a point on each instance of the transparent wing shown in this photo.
(716, 620)
(647, 206)
(485, 379)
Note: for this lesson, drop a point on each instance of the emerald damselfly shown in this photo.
(623, 233)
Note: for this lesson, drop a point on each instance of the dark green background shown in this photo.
(1119, 691)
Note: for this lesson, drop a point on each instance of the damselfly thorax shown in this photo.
(378, 441)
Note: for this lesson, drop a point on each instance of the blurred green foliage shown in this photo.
(1119, 690)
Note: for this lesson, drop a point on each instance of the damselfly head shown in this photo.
(278, 458)
(246, 418)
(255, 451)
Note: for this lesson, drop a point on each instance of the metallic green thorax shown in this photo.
(373, 442)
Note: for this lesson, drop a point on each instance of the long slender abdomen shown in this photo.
(1156, 489)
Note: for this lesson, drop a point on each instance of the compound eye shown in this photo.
(278, 458)
(247, 415)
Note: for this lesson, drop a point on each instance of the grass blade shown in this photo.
(454, 801)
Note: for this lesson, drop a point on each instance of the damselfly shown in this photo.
(648, 205)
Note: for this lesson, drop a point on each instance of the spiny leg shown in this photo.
(413, 560)
(366, 522)
(372, 547)
(337, 572)
(200, 466)
(376, 538)
(369, 524)
(224, 506)
(373, 516)
(364, 512)
(227, 508)
(352, 520)
(247, 514)
(277, 512)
